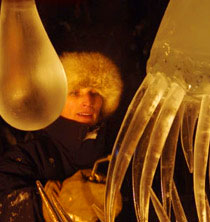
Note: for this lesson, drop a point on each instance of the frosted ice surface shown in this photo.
(183, 54)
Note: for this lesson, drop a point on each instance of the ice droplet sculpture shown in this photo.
(32, 79)
(172, 100)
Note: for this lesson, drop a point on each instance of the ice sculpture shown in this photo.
(32, 80)
(174, 97)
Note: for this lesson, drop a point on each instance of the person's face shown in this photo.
(83, 105)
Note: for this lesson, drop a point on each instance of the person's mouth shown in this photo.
(85, 114)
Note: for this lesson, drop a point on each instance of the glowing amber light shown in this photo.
(32, 80)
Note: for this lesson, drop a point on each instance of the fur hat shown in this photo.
(92, 69)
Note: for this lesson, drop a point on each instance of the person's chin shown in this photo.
(86, 120)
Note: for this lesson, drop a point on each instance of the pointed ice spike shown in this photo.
(201, 152)
(161, 213)
(158, 137)
(138, 159)
(99, 212)
(188, 124)
(58, 207)
(123, 151)
(53, 213)
(168, 163)
(177, 206)
(207, 209)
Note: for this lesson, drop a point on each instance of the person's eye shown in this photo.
(74, 93)
(94, 94)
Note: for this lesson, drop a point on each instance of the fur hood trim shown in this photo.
(94, 70)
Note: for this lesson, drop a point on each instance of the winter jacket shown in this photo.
(54, 153)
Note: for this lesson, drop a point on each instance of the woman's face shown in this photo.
(83, 105)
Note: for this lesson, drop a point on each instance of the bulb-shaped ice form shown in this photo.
(181, 48)
(33, 84)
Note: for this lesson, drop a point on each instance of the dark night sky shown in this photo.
(121, 29)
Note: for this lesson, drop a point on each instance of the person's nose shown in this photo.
(87, 100)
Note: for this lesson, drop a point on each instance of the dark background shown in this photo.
(123, 30)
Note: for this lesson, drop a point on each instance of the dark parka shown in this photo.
(55, 153)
